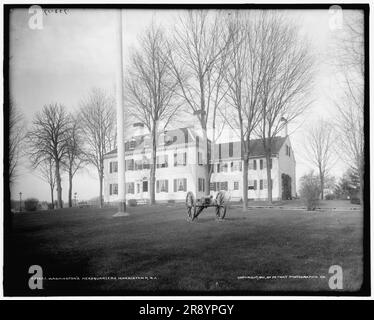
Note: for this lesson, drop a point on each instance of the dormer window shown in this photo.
(132, 144)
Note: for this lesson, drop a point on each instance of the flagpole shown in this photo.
(120, 125)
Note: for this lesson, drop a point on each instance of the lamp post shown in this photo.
(20, 202)
(75, 198)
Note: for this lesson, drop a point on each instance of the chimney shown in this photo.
(283, 119)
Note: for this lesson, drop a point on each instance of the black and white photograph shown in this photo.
(186, 150)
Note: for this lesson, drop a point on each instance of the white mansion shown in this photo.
(180, 169)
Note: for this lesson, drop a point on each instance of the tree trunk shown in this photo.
(70, 188)
(152, 178)
(322, 182)
(58, 181)
(53, 200)
(268, 175)
(245, 184)
(101, 190)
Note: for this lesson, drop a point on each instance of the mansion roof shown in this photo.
(178, 137)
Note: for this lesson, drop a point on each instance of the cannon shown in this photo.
(196, 206)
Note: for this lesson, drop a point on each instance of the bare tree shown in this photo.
(244, 79)
(97, 118)
(47, 173)
(320, 151)
(48, 139)
(75, 156)
(350, 59)
(16, 138)
(151, 90)
(195, 56)
(288, 78)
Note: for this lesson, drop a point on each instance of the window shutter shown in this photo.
(185, 184)
(184, 158)
(254, 165)
(255, 184)
(175, 160)
(175, 185)
(110, 189)
(110, 167)
(271, 163)
(157, 186)
(167, 185)
(240, 165)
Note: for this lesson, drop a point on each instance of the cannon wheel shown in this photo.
(191, 205)
(221, 206)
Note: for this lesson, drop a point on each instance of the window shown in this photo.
(223, 186)
(271, 163)
(138, 164)
(130, 187)
(146, 163)
(162, 186)
(180, 184)
(261, 184)
(113, 188)
(254, 165)
(218, 167)
(201, 184)
(236, 185)
(236, 166)
(231, 149)
(113, 166)
(129, 164)
(288, 150)
(145, 186)
(261, 164)
(212, 186)
(254, 184)
(200, 159)
(132, 144)
(224, 167)
(250, 165)
(251, 184)
(137, 188)
(180, 159)
(162, 161)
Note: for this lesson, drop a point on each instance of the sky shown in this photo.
(75, 51)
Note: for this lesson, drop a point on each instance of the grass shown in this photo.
(183, 257)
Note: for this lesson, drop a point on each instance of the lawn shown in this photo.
(156, 250)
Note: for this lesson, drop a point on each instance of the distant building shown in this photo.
(179, 168)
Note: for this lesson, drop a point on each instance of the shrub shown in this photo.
(329, 196)
(50, 206)
(310, 190)
(31, 204)
(132, 202)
